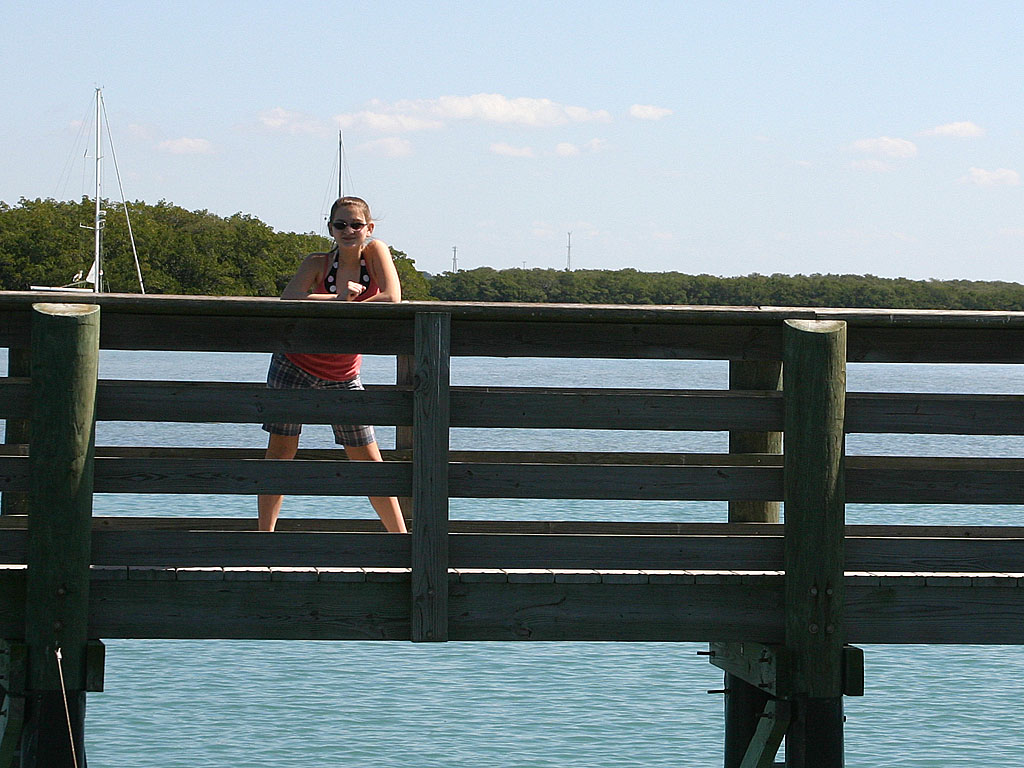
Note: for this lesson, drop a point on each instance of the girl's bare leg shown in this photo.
(279, 447)
(386, 506)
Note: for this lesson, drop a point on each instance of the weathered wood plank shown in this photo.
(615, 340)
(675, 611)
(320, 478)
(231, 476)
(249, 403)
(967, 555)
(923, 614)
(251, 610)
(540, 408)
(577, 547)
(940, 344)
(526, 312)
(593, 611)
(869, 480)
(876, 335)
(928, 413)
(257, 334)
(536, 407)
(940, 485)
(578, 551)
(249, 548)
(587, 527)
(227, 402)
(538, 481)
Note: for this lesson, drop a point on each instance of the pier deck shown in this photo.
(781, 604)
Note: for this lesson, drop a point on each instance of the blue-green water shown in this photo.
(172, 704)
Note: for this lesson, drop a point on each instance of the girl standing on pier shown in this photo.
(356, 269)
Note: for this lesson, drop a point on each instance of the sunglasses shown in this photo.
(355, 226)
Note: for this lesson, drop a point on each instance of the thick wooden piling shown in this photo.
(814, 371)
(431, 418)
(65, 355)
(744, 703)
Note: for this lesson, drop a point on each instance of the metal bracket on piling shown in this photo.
(95, 662)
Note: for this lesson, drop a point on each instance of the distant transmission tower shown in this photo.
(455, 259)
(568, 254)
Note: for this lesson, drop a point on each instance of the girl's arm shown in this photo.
(382, 270)
(305, 279)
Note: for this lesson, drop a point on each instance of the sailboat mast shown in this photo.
(98, 217)
(341, 165)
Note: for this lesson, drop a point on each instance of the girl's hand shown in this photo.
(353, 290)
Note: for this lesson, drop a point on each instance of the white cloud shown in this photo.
(282, 120)
(421, 114)
(1000, 177)
(141, 131)
(885, 146)
(391, 146)
(1012, 231)
(965, 129)
(648, 112)
(383, 122)
(871, 164)
(186, 146)
(495, 108)
(565, 149)
(509, 151)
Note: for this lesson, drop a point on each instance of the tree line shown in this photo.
(42, 242)
(630, 286)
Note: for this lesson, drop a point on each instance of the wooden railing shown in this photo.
(803, 590)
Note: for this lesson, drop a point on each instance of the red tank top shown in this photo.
(337, 367)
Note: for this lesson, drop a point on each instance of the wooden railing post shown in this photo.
(65, 355)
(744, 703)
(431, 420)
(814, 371)
(16, 431)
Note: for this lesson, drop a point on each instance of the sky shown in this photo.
(727, 138)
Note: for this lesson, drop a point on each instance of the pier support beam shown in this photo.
(65, 356)
(744, 704)
(814, 371)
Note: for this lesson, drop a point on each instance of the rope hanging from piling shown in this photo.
(67, 710)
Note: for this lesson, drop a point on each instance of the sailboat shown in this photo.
(94, 277)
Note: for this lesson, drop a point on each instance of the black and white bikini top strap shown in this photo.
(331, 279)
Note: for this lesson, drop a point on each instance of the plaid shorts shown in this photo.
(284, 374)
